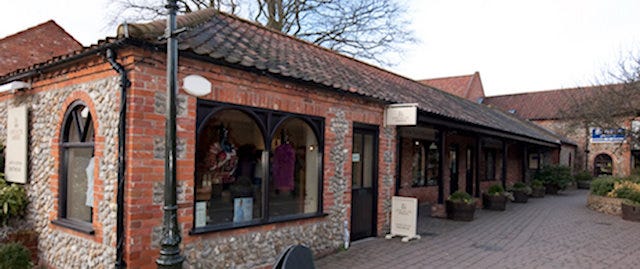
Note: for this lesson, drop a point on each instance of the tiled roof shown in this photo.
(458, 85)
(239, 42)
(544, 105)
(35, 45)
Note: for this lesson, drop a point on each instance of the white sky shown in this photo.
(516, 45)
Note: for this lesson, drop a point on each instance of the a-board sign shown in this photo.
(404, 218)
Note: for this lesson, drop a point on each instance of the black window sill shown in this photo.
(254, 223)
(80, 226)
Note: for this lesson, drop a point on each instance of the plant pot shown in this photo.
(520, 197)
(537, 192)
(460, 211)
(630, 212)
(551, 189)
(585, 185)
(494, 202)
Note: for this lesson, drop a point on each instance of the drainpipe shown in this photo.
(122, 126)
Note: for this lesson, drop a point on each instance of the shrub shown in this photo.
(624, 189)
(602, 185)
(495, 190)
(15, 256)
(537, 184)
(583, 176)
(558, 175)
(519, 186)
(13, 201)
(461, 197)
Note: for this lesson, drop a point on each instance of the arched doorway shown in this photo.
(603, 165)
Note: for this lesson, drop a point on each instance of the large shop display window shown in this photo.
(255, 166)
(76, 168)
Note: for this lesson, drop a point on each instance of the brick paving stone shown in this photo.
(552, 232)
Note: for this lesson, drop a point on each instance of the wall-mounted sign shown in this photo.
(15, 168)
(196, 85)
(401, 114)
(599, 135)
(404, 218)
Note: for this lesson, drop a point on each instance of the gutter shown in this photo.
(110, 56)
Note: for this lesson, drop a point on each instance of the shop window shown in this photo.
(425, 164)
(603, 165)
(490, 158)
(255, 166)
(76, 169)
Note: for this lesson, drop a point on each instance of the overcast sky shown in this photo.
(516, 45)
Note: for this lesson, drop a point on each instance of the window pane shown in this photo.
(78, 206)
(418, 164)
(356, 162)
(368, 161)
(433, 168)
(229, 169)
(293, 188)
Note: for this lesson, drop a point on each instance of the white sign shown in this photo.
(201, 214)
(404, 218)
(15, 167)
(355, 157)
(196, 85)
(401, 114)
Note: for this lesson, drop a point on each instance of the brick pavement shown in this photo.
(552, 232)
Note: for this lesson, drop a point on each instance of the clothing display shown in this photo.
(283, 167)
(222, 164)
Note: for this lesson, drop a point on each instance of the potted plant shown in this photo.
(554, 178)
(630, 192)
(520, 192)
(495, 198)
(537, 189)
(460, 206)
(583, 179)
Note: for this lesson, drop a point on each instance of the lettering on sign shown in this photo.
(404, 218)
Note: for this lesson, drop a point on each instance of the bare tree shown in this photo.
(365, 29)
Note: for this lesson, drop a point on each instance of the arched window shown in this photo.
(255, 166)
(230, 171)
(294, 169)
(603, 165)
(76, 166)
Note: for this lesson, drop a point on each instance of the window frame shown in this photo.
(64, 146)
(268, 121)
(425, 145)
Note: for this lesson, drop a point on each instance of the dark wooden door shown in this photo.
(364, 161)
(453, 169)
(469, 170)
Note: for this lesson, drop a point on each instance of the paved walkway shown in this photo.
(552, 232)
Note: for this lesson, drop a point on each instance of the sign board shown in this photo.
(15, 167)
(599, 135)
(401, 114)
(404, 218)
(201, 214)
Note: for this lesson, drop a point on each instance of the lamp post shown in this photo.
(170, 243)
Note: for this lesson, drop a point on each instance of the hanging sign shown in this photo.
(15, 167)
(401, 114)
(404, 218)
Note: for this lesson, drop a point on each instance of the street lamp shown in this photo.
(170, 243)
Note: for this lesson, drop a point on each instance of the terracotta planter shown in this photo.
(460, 211)
(630, 212)
(537, 192)
(494, 202)
(520, 197)
(551, 189)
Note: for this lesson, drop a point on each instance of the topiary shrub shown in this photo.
(15, 256)
(13, 201)
(555, 175)
(602, 186)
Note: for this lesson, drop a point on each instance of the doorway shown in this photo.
(603, 165)
(364, 177)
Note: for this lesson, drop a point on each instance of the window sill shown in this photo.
(232, 226)
(80, 226)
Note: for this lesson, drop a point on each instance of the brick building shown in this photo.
(290, 147)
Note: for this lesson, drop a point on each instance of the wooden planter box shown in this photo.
(520, 197)
(630, 212)
(460, 211)
(494, 202)
(537, 192)
(552, 189)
